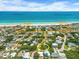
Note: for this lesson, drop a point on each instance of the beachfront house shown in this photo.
(58, 38)
(70, 44)
(40, 54)
(46, 53)
(55, 55)
(50, 33)
(54, 45)
(13, 54)
(6, 54)
(59, 42)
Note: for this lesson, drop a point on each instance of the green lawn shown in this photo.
(72, 54)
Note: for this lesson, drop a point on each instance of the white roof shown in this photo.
(54, 44)
(40, 53)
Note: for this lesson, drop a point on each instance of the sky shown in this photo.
(39, 5)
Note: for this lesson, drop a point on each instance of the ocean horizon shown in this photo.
(14, 17)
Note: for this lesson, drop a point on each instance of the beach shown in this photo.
(36, 24)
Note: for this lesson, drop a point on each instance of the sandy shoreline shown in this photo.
(36, 24)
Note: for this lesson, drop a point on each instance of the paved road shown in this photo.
(61, 55)
(62, 47)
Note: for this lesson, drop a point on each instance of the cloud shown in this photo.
(76, 4)
(14, 5)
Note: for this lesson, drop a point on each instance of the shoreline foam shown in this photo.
(36, 24)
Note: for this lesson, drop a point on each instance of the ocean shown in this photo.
(38, 17)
